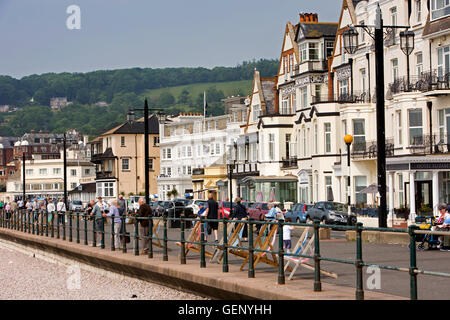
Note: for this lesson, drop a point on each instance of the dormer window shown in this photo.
(309, 51)
(439, 9)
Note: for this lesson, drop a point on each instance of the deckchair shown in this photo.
(156, 239)
(234, 239)
(194, 236)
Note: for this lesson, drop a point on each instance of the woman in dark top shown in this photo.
(212, 213)
(240, 212)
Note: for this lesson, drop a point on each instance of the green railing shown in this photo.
(38, 223)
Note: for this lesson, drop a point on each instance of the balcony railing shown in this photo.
(103, 175)
(356, 97)
(289, 163)
(368, 149)
(430, 144)
(427, 81)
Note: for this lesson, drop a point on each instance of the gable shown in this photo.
(287, 42)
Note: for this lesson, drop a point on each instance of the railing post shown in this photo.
(102, 235)
(52, 232)
(202, 243)
(225, 244)
(317, 283)
(251, 268)
(85, 229)
(94, 239)
(78, 227)
(113, 248)
(412, 263)
(281, 278)
(57, 224)
(165, 255)
(182, 240)
(150, 237)
(21, 222)
(38, 225)
(136, 238)
(46, 223)
(124, 235)
(358, 263)
(64, 224)
(41, 216)
(70, 226)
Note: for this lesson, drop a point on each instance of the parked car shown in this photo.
(331, 213)
(194, 205)
(258, 210)
(76, 205)
(298, 213)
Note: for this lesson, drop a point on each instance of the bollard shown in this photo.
(202, 243)
(70, 226)
(281, 278)
(85, 230)
(64, 224)
(46, 223)
(150, 237)
(165, 254)
(183, 241)
(124, 235)
(136, 238)
(102, 235)
(113, 245)
(225, 245)
(251, 268)
(358, 263)
(317, 283)
(78, 227)
(412, 263)
(94, 239)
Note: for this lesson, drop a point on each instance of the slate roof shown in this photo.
(86, 187)
(317, 30)
(136, 127)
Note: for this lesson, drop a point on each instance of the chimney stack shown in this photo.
(309, 17)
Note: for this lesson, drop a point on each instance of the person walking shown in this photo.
(240, 212)
(212, 212)
(287, 236)
(51, 211)
(144, 212)
(7, 210)
(13, 208)
(114, 214)
(98, 213)
(61, 209)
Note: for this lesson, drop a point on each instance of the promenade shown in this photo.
(213, 282)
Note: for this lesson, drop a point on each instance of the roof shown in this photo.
(317, 30)
(85, 187)
(267, 86)
(136, 127)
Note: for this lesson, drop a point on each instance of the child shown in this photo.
(287, 235)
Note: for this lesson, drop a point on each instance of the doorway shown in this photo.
(424, 198)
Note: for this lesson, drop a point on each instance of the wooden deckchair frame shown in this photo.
(156, 239)
(307, 248)
(234, 239)
(194, 236)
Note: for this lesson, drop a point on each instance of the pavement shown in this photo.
(394, 284)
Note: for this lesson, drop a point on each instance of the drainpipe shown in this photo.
(430, 105)
(350, 60)
(368, 75)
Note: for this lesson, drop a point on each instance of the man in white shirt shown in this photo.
(50, 210)
(61, 209)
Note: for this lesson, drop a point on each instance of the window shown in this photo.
(87, 172)
(400, 190)
(363, 80)
(313, 50)
(360, 183)
(256, 112)
(294, 103)
(284, 106)
(419, 63)
(304, 97)
(343, 88)
(328, 186)
(415, 127)
(394, 65)
(443, 60)
(329, 48)
(150, 164)
(42, 171)
(155, 141)
(271, 146)
(317, 92)
(418, 9)
(122, 141)
(210, 125)
(399, 128)
(304, 141)
(56, 171)
(73, 185)
(303, 52)
(167, 153)
(359, 135)
(316, 139)
(125, 164)
(189, 151)
(344, 128)
(217, 148)
(394, 18)
(439, 9)
(327, 137)
(316, 185)
(109, 189)
(189, 170)
(73, 172)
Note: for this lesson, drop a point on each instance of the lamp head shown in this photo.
(348, 139)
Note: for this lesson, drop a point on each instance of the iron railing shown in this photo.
(426, 81)
(356, 97)
(42, 223)
(289, 163)
(368, 149)
(430, 144)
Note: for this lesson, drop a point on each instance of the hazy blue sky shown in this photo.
(145, 33)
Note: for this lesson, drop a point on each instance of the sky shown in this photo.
(113, 34)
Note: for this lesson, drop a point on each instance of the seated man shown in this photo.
(442, 223)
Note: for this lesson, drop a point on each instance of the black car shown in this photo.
(175, 209)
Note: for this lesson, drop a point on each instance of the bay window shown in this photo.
(439, 9)
(415, 127)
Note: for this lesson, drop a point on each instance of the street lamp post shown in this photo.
(348, 139)
(350, 38)
(407, 46)
(161, 118)
(23, 175)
